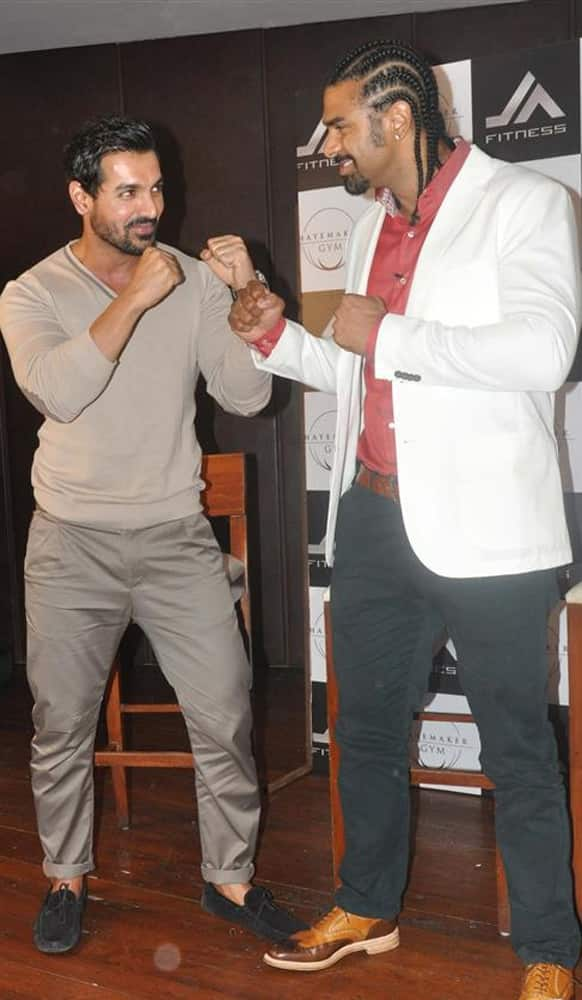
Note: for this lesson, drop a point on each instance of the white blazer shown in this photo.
(489, 334)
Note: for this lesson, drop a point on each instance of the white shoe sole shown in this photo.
(375, 946)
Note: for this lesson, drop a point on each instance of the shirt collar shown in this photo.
(435, 191)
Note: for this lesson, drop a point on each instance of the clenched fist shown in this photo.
(228, 258)
(156, 275)
(254, 312)
(355, 319)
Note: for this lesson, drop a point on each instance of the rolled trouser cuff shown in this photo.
(52, 870)
(223, 876)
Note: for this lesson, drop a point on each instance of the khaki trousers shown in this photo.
(83, 587)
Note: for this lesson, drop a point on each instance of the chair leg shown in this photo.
(115, 740)
(576, 813)
(503, 910)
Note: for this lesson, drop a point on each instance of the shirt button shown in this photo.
(391, 425)
(411, 234)
(402, 279)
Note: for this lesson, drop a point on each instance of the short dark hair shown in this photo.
(389, 71)
(96, 138)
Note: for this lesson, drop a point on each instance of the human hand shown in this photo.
(354, 320)
(228, 258)
(156, 275)
(255, 311)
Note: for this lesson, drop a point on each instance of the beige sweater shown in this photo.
(118, 448)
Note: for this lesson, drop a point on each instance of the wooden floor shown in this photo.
(145, 935)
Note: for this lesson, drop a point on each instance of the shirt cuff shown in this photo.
(270, 339)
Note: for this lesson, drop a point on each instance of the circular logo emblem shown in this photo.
(320, 439)
(324, 238)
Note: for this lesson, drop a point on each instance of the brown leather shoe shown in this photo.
(547, 982)
(334, 936)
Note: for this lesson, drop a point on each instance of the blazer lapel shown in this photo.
(462, 198)
(464, 194)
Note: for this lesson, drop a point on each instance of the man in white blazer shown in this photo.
(460, 321)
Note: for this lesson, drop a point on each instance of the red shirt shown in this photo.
(391, 274)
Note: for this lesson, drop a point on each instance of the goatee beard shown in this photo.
(356, 184)
(124, 242)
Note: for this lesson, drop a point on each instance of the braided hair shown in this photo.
(393, 71)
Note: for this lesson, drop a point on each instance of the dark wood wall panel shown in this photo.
(204, 95)
(479, 31)
(44, 96)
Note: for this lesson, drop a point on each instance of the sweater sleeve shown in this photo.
(225, 361)
(58, 373)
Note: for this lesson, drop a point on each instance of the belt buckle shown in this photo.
(380, 483)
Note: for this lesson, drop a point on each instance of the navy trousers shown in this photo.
(387, 608)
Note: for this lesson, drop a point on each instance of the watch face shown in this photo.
(261, 277)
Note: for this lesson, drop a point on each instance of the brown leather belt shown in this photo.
(383, 485)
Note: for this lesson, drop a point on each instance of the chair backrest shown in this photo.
(225, 496)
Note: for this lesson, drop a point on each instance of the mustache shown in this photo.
(142, 220)
(337, 161)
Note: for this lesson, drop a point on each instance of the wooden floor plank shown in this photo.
(146, 936)
(17, 982)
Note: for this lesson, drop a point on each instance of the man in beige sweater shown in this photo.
(106, 338)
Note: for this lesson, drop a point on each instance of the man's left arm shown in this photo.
(225, 361)
(532, 346)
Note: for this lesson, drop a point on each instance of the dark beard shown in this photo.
(356, 184)
(125, 243)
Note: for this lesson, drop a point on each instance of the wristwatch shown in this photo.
(259, 276)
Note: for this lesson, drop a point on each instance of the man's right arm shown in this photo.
(62, 374)
(156, 275)
(59, 374)
(281, 346)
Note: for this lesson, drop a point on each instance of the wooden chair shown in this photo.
(418, 775)
(224, 496)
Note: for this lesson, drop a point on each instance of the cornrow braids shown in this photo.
(393, 71)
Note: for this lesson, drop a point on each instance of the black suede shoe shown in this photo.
(259, 914)
(58, 926)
